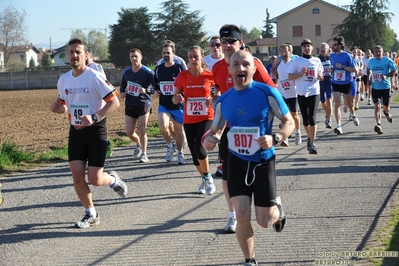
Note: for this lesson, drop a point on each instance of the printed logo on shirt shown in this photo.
(76, 90)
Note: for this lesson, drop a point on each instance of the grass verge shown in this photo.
(13, 160)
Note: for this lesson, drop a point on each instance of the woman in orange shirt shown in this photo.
(193, 87)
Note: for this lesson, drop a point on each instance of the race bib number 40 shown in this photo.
(76, 111)
(133, 89)
(196, 106)
(167, 87)
(242, 140)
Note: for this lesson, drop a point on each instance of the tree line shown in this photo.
(366, 25)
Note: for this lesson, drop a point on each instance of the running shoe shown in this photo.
(298, 137)
(279, 225)
(312, 149)
(119, 187)
(350, 117)
(378, 129)
(180, 159)
(87, 221)
(201, 189)
(144, 158)
(252, 262)
(219, 170)
(362, 97)
(231, 225)
(389, 117)
(308, 144)
(284, 143)
(355, 120)
(369, 102)
(328, 124)
(338, 130)
(137, 151)
(345, 109)
(209, 185)
(169, 153)
(356, 107)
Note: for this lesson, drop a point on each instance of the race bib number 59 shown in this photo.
(242, 140)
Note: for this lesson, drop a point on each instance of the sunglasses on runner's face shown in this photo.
(215, 44)
(229, 40)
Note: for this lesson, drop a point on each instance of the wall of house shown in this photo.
(45, 79)
(327, 18)
(58, 61)
(31, 54)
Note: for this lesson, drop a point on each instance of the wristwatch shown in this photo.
(276, 139)
(94, 117)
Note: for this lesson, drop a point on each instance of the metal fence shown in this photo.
(44, 79)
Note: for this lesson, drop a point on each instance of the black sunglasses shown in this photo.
(229, 41)
(215, 44)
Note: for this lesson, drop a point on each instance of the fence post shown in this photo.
(11, 79)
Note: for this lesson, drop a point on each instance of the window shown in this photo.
(318, 30)
(297, 31)
(316, 10)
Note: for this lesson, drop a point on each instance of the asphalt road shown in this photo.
(335, 201)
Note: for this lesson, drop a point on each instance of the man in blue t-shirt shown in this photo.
(250, 107)
(380, 70)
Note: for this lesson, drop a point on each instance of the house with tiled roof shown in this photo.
(315, 19)
(59, 56)
(26, 53)
(263, 48)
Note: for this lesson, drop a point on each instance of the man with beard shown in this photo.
(87, 98)
(343, 65)
(168, 112)
(249, 108)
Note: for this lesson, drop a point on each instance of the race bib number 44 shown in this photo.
(76, 111)
(196, 106)
(242, 140)
(133, 89)
(167, 87)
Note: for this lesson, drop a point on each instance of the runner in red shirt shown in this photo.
(193, 87)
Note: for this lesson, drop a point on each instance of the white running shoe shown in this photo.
(231, 225)
(169, 154)
(209, 185)
(144, 158)
(180, 159)
(201, 189)
(136, 151)
(298, 137)
(355, 120)
(338, 130)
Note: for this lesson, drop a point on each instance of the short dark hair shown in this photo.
(78, 41)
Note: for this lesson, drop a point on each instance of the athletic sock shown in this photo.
(91, 211)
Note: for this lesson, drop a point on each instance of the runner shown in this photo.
(325, 84)
(168, 112)
(380, 71)
(136, 87)
(252, 159)
(196, 83)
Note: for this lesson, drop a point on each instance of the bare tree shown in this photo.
(13, 30)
